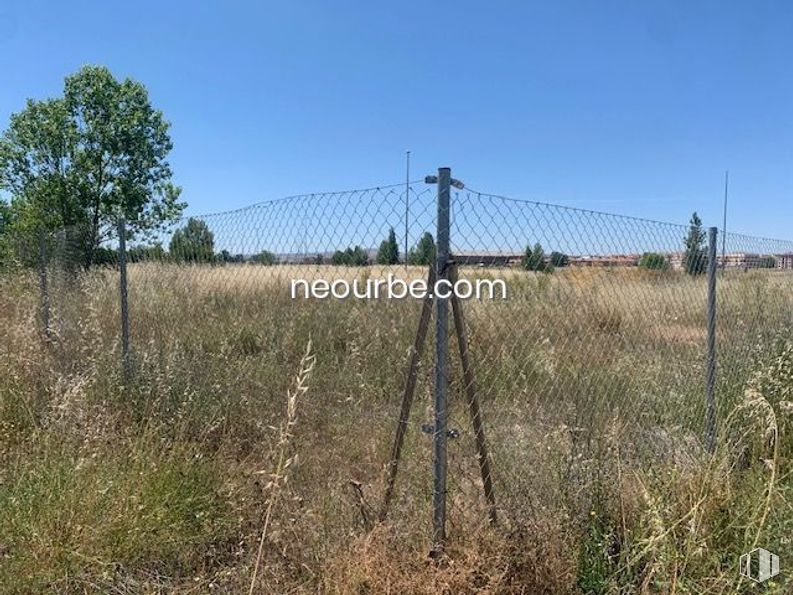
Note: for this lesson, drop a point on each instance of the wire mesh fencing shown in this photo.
(596, 346)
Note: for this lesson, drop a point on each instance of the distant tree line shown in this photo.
(194, 242)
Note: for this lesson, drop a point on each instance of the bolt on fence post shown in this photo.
(710, 406)
(122, 267)
(44, 285)
(441, 362)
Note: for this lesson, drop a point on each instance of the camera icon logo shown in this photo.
(759, 565)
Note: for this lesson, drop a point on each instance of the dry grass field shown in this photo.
(250, 419)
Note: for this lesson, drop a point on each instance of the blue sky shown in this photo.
(629, 107)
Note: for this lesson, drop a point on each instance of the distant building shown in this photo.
(489, 259)
(735, 260)
(784, 261)
(742, 260)
(605, 260)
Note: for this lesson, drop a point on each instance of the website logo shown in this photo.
(759, 565)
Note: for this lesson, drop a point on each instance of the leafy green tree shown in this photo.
(193, 243)
(695, 260)
(82, 160)
(389, 250)
(351, 257)
(266, 258)
(653, 261)
(558, 259)
(226, 256)
(534, 258)
(146, 253)
(423, 253)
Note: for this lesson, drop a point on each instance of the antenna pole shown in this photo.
(407, 203)
(724, 226)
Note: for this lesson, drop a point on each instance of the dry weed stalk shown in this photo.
(278, 477)
(762, 414)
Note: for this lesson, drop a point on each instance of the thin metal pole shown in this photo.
(407, 203)
(408, 394)
(44, 285)
(724, 226)
(122, 267)
(473, 401)
(441, 362)
(710, 405)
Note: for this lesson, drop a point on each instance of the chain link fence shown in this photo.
(600, 346)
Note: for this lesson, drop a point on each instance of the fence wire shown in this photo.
(597, 354)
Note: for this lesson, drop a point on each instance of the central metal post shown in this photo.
(441, 362)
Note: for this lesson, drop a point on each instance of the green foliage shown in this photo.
(104, 256)
(135, 505)
(695, 261)
(84, 159)
(266, 258)
(653, 261)
(226, 256)
(145, 253)
(5, 216)
(351, 257)
(596, 564)
(767, 262)
(423, 253)
(389, 250)
(193, 243)
(534, 259)
(559, 259)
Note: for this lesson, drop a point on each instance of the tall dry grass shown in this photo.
(591, 385)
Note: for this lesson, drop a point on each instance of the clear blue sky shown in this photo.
(631, 107)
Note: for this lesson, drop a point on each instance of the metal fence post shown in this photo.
(44, 285)
(710, 406)
(122, 267)
(441, 362)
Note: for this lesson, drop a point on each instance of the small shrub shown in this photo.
(266, 258)
(558, 259)
(248, 342)
(653, 261)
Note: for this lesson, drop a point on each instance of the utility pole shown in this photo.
(724, 226)
(710, 371)
(407, 203)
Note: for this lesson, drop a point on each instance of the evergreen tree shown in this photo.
(424, 252)
(534, 258)
(351, 257)
(389, 250)
(695, 260)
